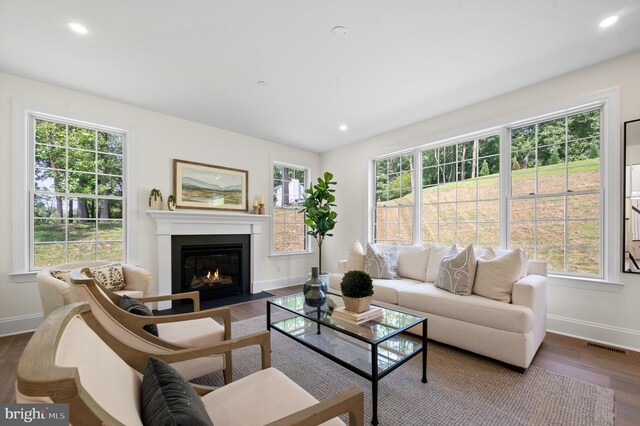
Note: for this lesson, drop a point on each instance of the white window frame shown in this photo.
(610, 174)
(307, 170)
(24, 114)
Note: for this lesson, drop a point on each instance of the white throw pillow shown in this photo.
(495, 277)
(381, 263)
(110, 276)
(412, 262)
(457, 271)
(436, 253)
(355, 261)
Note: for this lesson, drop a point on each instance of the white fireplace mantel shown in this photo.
(196, 222)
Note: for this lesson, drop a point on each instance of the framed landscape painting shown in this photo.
(204, 186)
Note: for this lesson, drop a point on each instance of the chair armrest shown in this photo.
(193, 295)
(342, 266)
(136, 278)
(350, 401)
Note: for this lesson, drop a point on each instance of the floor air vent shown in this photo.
(607, 348)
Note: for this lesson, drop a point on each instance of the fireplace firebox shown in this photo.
(215, 265)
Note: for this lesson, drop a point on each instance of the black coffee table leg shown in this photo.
(268, 316)
(424, 351)
(374, 383)
(319, 311)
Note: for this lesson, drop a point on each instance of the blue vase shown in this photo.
(315, 274)
(315, 294)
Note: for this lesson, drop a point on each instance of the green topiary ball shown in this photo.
(356, 284)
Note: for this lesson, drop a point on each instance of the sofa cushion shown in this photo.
(269, 393)
(134, 306)
(473, 309)
(495, 277)
(436, 253)
(168, 399)
(381, 262)
(412, 262)
(110, 276)
(387, 290)
(355, 261)
(457, 271)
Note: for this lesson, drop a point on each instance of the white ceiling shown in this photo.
(403, 61)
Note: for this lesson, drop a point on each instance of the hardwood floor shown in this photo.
(564, 355)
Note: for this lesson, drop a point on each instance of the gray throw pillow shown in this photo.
(136, 307)
(381, 263)
(168, 399)
(457, 271)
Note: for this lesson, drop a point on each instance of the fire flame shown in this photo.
(216, 276)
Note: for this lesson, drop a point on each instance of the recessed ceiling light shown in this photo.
(343, 127)
(607, 22)
(78, 28)
(262, 83)
(339, 32)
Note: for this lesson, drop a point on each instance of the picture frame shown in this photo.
(211, 187)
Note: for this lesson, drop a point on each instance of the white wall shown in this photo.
(159, 139)
(612, 317)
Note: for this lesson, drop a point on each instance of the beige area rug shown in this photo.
(462, 388)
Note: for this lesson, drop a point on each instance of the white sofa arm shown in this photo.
(531, 291)
(342, 266)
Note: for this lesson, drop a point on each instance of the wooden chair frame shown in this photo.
(109, 301)
(39, 376)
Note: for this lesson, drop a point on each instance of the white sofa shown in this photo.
(508, 332)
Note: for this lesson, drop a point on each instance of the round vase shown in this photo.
(315, 275)
(316, 294)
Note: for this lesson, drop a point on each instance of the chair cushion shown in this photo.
(136, 307)
(473, 309)
(168, 399)
(197, 332)
(355, 261)
(109, 275)
(381, 262)
(412, 262)
(269, 393)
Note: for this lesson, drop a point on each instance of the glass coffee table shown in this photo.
(371, 350)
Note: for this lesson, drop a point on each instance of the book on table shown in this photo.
(372, 314)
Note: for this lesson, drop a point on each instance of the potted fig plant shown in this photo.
(155, 199)
(319, 217)
(357, 291)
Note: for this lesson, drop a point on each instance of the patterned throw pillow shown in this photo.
(381, 263)
(355, 261)
(110, 276)
(136, 307)
(495, 277)
(457, 271)
(61, 274)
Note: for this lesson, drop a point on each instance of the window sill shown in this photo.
(276, 256)
(596, 284)
(23, 277)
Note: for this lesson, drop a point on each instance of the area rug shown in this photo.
(462, 388)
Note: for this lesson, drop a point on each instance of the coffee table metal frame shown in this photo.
(374, 376)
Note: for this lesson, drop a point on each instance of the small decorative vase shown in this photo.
(357, 304)
(307, 285)
(171, 205)
(155, 204)
(315, 296)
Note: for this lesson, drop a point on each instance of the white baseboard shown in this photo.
(601, 333)
(266, 285)
(19, 325)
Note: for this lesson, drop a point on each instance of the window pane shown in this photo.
(110, 142)
(489, 146)
(82, 138)
(81, 230)
(82, 183)
(551, 132)
(523, 138)
(467, 233)
(110, 250)
(81, 251)
(584, 260)
(110, 164)
(584, 152)
(584, 206)
(523, 183)
(467, 212)
(447, 212)
(81, 208)
(523, 209)
(51, 157)
(429, 158)
(553, 255)
(489, 166)
(47, 180)
(467, 190)
(584, 125)
(46, 255)
(523, 233)
(49, 230)
(110, 209)
(552, 156)
(110, 230)
(550, 208)
(488, 188)
(551, 181)
(583, 233)
(429, 212)
(430, 232)
(430, 176)
(550, 233)
(488, 211)
(447, 234)
(430, 194)
(584, 178)
(489, 233)
(523, 160)
(109, 185)
(46, 206)
(49, 132)
(466, 150)
(447, 154)
(83, 161)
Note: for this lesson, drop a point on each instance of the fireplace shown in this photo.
(215, 265)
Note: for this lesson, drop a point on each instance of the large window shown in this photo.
(393, 216)
(536, 185)
(460, 193)
(289, 230)
(555, 192)
(77, 185)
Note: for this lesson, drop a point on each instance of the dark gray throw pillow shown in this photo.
(136, 307)
(167, 398)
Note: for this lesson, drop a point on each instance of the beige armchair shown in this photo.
(55, 293)
(175, 332)
(67, 362)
